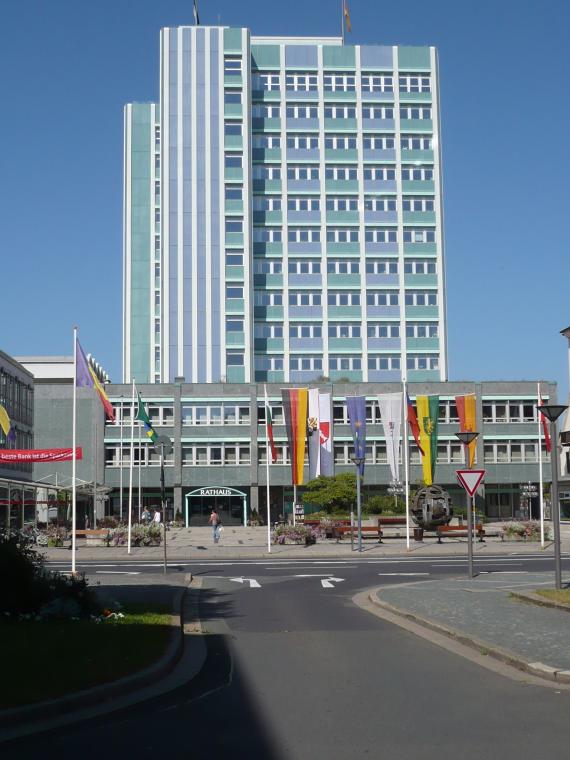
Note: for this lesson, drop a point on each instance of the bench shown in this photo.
(93, 536)
(459, 530)
(391, 521)
(368, 531)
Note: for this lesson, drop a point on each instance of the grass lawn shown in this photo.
(50, 659)
(556, 596)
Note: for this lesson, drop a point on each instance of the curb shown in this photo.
(541, 601)
(482, 647)
(106, 692)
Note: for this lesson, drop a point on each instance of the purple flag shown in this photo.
(356, 406)
(83, 378)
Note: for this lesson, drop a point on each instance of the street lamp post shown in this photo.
(163, 446)
(466, 438)
(528, 491)
(358, 461)
(396, 489)
(552, 412)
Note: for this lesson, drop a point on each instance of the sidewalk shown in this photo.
(246, 543)
(485, 613)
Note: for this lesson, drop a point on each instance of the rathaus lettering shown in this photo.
(215, 492)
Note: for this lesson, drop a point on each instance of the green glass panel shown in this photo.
(341, 155)
(424, 156)
(234, 207)
(235, 80)
(338, 57)
(235, 339)
(414, 58)
(418, 186)
(344, 312)
(232, 40)
(265, 56)
(232, 110)
(268, 280)
(416, 125)
(345, 344)
(235, 306)
(411, 249)
(266, 154)
(267, 217)
(269, 344)
(422, 344)
(234, 239)
(338, 375)
(266, 125)
(422, 375)
(421, 312)
(331, 97)
(235, 374)
(340, 125)
(419, 217)
(415, 97)
(232, 142)
(343, 280)
(419, 280)
(234, 273)
(234, 174)
(341, 185)
(348, 248)
(342, 217)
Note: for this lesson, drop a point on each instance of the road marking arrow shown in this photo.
(329, 582)
(252, 582)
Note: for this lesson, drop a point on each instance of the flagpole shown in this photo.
(73, 460)
(140, 457)
(406, 464)
(342, 20)
(267, 470)
(121, 464)
(131, 469)
(540, 485)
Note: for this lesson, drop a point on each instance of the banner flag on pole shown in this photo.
(356, 406)
(428, 415)
(295, 407)
(85, 377)
(269, 427)
(196, 16)
(142, 416)
(391, 414)
(346, 15)
(545, 430)
(314, 435)
(326, 435)
(466, 411)
(413, 422)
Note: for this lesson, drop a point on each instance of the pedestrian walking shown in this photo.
(145, 516)
(216, 522)
(156, 517)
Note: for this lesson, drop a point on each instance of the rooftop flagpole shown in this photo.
(129, 522)
(73, 459)
(342, 20)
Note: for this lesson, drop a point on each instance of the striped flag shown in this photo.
(346, 16)
(142, 416)
(269, 428)
(295, 407)
(428, 416)
(85, 377)
(413, 421)
(545, 430)
(467, 421)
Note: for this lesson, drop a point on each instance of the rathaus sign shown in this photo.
(215, 492)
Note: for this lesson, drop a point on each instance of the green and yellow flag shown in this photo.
(428, 414)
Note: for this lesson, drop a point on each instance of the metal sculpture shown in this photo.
(431, 507)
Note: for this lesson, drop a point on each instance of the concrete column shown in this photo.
(254, 498)
(178, 505)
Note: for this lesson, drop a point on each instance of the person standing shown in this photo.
(156, 517)
(215, 522)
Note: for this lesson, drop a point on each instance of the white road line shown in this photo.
(407, 574)
(252, 582)
(329, 582)
(115, 572)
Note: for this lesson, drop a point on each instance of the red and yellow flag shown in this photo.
(295, 409)
(346, 16)
(467, 421)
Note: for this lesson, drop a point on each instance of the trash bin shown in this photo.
(418, 534)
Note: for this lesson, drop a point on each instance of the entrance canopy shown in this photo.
(225, 499)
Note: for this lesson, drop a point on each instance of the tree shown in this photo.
(332, 494)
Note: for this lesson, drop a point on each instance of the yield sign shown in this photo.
(470, 479)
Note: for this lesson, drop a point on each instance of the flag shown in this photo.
(4, 420)
(391, 414)
(467, 421)
(428, 415)
(196, 16)
(85, 377)
(413, 422)
(295, 404)
(325, 435)
(356, 406)
(143, 417)
(346, 15)
(545, 430)
(269, 428)
(314, 434)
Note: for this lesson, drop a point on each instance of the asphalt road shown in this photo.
(295, 670)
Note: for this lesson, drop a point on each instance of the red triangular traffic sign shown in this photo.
(470, 479)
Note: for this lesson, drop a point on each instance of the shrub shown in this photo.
(528, 529)
(108, 522)
(296, 534)
(141, 535)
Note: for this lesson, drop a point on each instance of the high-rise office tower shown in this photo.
(283, 217)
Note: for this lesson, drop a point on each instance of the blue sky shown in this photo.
(69, 66)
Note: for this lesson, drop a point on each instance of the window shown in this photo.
(266, 141)
(234, 193)
(340, 142)
(341, 172)
(421, 173)
(511, 451)
(342, 204)
(343, 298)
(381, 266)
(266, 171)
(307, 363)
(305, 331)
(343, 267)
(417, 235)
(267, 266)
(377, 112)
(342, 235)
(386, 362)
(419, 266)
(381, 235)
(378, 203)
(301, 82)
(231, 97)
(232, 66)
(234, 325)
(234, 359)
(268, 363)
(233, 161)
(263, 111)
(421, 298)
(304, 235)
(303, 142)
(415, 142)
(422, 361)
(343, 330)
(266, 203)
(382, 298)
(415, 112)
(234, 225)
(306, 266)
(379, 173)
(339, 82)
(377, 83)
(309, 203)
(510, 411)
(234, 291)
(267, 330)
(215, 454)
(383, 330)
(267, 298)
(234, 258)
(378, 142)
(265, 82)
(422, 329)
(302, 172)
(340, 363)
(305, 298)
(301, 111)
(415, 83)
(267, 235)
(340, 112)
(232, 128)
(410, 203)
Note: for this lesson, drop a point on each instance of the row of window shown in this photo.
(334, 234)
(336, 266)
(307, 111)
(343, 363)
(332, 142)
(337, 298)
(334, 202)
(339, 330)
(344, 82)
(378, 173)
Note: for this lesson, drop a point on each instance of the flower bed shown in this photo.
(297, 534)
(528, 530)
(141, 535)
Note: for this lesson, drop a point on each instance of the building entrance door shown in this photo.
(230, 503)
